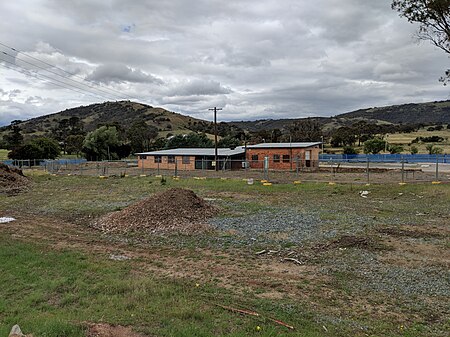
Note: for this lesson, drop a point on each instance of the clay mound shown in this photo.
(12, 180)
(175, 210)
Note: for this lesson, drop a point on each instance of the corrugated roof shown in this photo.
(195, 152)
(282, 145)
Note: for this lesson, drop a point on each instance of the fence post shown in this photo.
(437, 167)
(368, 170)
(297, 165)
(266, 168)
(403, 171)
(176, 168)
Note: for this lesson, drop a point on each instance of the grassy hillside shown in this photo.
(421, 113)
(125, 113)
(426, 113)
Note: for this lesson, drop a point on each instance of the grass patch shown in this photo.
(4, 154)
(51, 293)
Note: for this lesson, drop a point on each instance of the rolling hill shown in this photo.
(125, 113)
(420, 113)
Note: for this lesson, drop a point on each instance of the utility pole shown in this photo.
(215, 109)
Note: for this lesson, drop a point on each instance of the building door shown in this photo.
(308, 158)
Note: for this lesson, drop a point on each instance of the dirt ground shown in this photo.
(333, 173)
(375, 273)
(276, 275)
(107, 330)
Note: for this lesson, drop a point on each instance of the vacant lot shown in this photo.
(325, 259)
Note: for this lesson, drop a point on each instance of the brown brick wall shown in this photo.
(149, 163)
(291, 164)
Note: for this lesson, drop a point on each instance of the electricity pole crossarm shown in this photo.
(215, 109)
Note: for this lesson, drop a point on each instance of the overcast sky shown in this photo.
(254, 58)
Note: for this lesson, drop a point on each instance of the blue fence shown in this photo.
(386, 158)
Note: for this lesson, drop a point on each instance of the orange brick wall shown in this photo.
(293, 153)
(149, 163)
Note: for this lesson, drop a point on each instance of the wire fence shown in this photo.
(387, 158)
(336, 170)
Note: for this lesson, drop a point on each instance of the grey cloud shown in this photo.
(198, 88)
(253, 58)
(120, 73)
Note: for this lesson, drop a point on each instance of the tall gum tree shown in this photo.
(434, 19)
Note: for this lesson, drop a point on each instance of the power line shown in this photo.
(49, 79)
(52, 72)
(121, 94)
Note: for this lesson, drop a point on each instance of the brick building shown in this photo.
(280, 156)
(284, 156)
(192, 159)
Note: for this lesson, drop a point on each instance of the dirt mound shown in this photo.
(175, 210)
(12, 180)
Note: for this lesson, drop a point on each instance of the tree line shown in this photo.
(113, 142)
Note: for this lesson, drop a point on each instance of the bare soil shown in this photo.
(106, 330)
(175, 210)
(12, 180)
(349, 241)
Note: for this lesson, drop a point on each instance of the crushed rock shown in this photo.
(12, 180)
(350, 241)
(175, 210)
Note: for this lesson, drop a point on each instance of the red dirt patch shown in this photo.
(175, 210)
(106, 330)
(12, 180)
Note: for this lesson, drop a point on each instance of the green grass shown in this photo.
(53, 293)
(4, 154)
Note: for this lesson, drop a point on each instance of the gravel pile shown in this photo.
(12, 180)
(175, 210)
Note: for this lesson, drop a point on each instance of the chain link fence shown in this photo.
(336, 170)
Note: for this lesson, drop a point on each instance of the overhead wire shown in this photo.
(47, 78)
(52, 72)
(114, 92)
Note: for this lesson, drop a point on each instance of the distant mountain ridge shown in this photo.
(419, 113)
(413, 113)
(125, 113)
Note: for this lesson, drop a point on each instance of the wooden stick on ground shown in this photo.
(255, 314)
(240, 311)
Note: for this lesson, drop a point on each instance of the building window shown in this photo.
(254, 157)
(143, 157)
(186, 160)
(171, 159)
(157, 159)
(286, 158)
(276, 158)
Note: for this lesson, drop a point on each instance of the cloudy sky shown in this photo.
(254, 58)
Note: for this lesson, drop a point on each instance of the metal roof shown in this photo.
(195, 152)
(282, 145)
